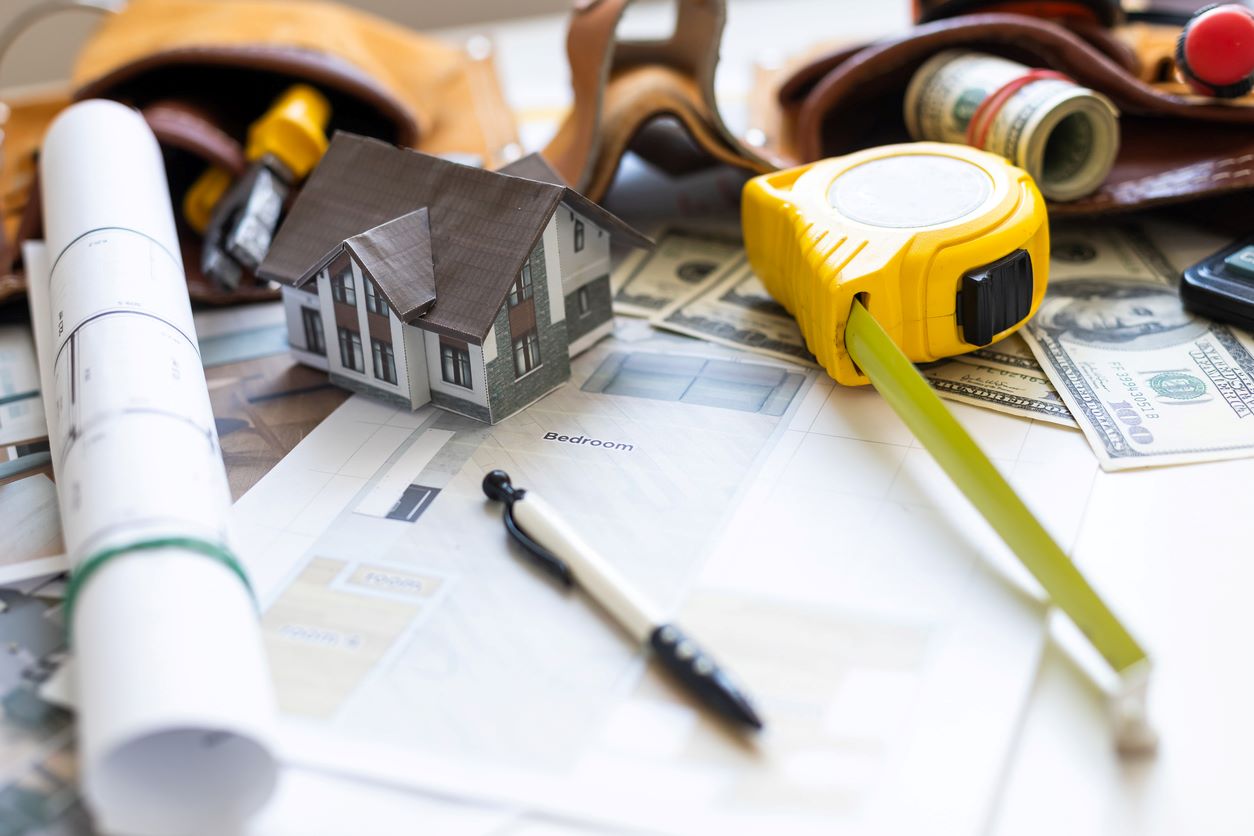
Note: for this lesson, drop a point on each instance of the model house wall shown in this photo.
(455, 371)
(422, 300)
(366, 346)
(525, 355)
(584, 250)
(533, 356)
(306, 332)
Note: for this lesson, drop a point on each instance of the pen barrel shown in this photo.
(599, 579)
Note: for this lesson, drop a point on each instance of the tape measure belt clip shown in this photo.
(995, 298)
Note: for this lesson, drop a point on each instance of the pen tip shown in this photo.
(708, 682)
(752, 720)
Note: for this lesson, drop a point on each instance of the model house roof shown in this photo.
(533, 167)
(397, 256)
(481, 227)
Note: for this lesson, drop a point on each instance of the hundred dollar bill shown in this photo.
(737, 310)
(1004, 377)
(1148, 382)
(1064, 135)
(683, 262)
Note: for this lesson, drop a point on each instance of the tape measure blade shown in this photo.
(910, 396)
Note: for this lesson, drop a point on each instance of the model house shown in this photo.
(419, 280)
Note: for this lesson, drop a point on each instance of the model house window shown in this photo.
(455, 363)
(384, 361)
(342, 288)
(526, 352)
(584, 301)
(350, 350)
(375, 303)
(522, 288)
(314, 339)
(578, 236)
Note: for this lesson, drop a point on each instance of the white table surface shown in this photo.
(1168, 547)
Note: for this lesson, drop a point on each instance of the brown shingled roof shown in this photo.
(397, 256)
(482, 224)
(533, 167)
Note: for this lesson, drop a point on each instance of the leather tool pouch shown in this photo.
(201, 71)
(637, 93)
(1174, 147)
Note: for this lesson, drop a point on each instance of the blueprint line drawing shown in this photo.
(501, 688)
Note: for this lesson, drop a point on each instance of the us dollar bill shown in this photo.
(683, 261)
(1148, 382)
(1003, 377)
(736, 310)
(1064, 135)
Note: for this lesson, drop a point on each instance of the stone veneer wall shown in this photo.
(600, 309)
(460, 406)
(354, 384)
(505, 394)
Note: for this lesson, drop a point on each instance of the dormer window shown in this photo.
(522, 288)
(375, 303)
(343, 289)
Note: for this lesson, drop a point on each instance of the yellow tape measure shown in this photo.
(914, 253)
(946, 246)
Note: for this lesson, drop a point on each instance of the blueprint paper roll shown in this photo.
(174, 698)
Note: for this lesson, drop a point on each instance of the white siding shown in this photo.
(400, 357)
(294, 300)
(593, 261)
(401, 387)
(332, 330)
(553, 268)
(490, 347)
(478, 391)
(408, 340)
(328, 323)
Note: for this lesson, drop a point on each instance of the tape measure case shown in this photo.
(947, 246)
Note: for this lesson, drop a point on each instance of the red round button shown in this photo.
(1219, 45)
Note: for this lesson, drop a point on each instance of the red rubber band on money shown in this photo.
(987, 110)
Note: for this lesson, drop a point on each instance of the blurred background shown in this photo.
(45, 51)
(527, 38)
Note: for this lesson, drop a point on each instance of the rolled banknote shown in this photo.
(1064, 135)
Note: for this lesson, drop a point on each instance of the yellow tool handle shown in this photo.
(896, 378)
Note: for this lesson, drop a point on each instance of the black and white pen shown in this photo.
(559, 550)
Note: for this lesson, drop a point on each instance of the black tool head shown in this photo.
(496, 486)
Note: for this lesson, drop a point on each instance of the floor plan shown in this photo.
(411, 643)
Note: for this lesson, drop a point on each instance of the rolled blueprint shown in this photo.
(174, 698)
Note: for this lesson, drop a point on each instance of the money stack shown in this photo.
(1064, 135)
(701, 285)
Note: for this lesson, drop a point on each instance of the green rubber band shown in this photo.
(89, 567)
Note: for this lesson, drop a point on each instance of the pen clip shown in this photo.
(545, 559)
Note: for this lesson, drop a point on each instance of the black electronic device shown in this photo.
(1221, 286)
